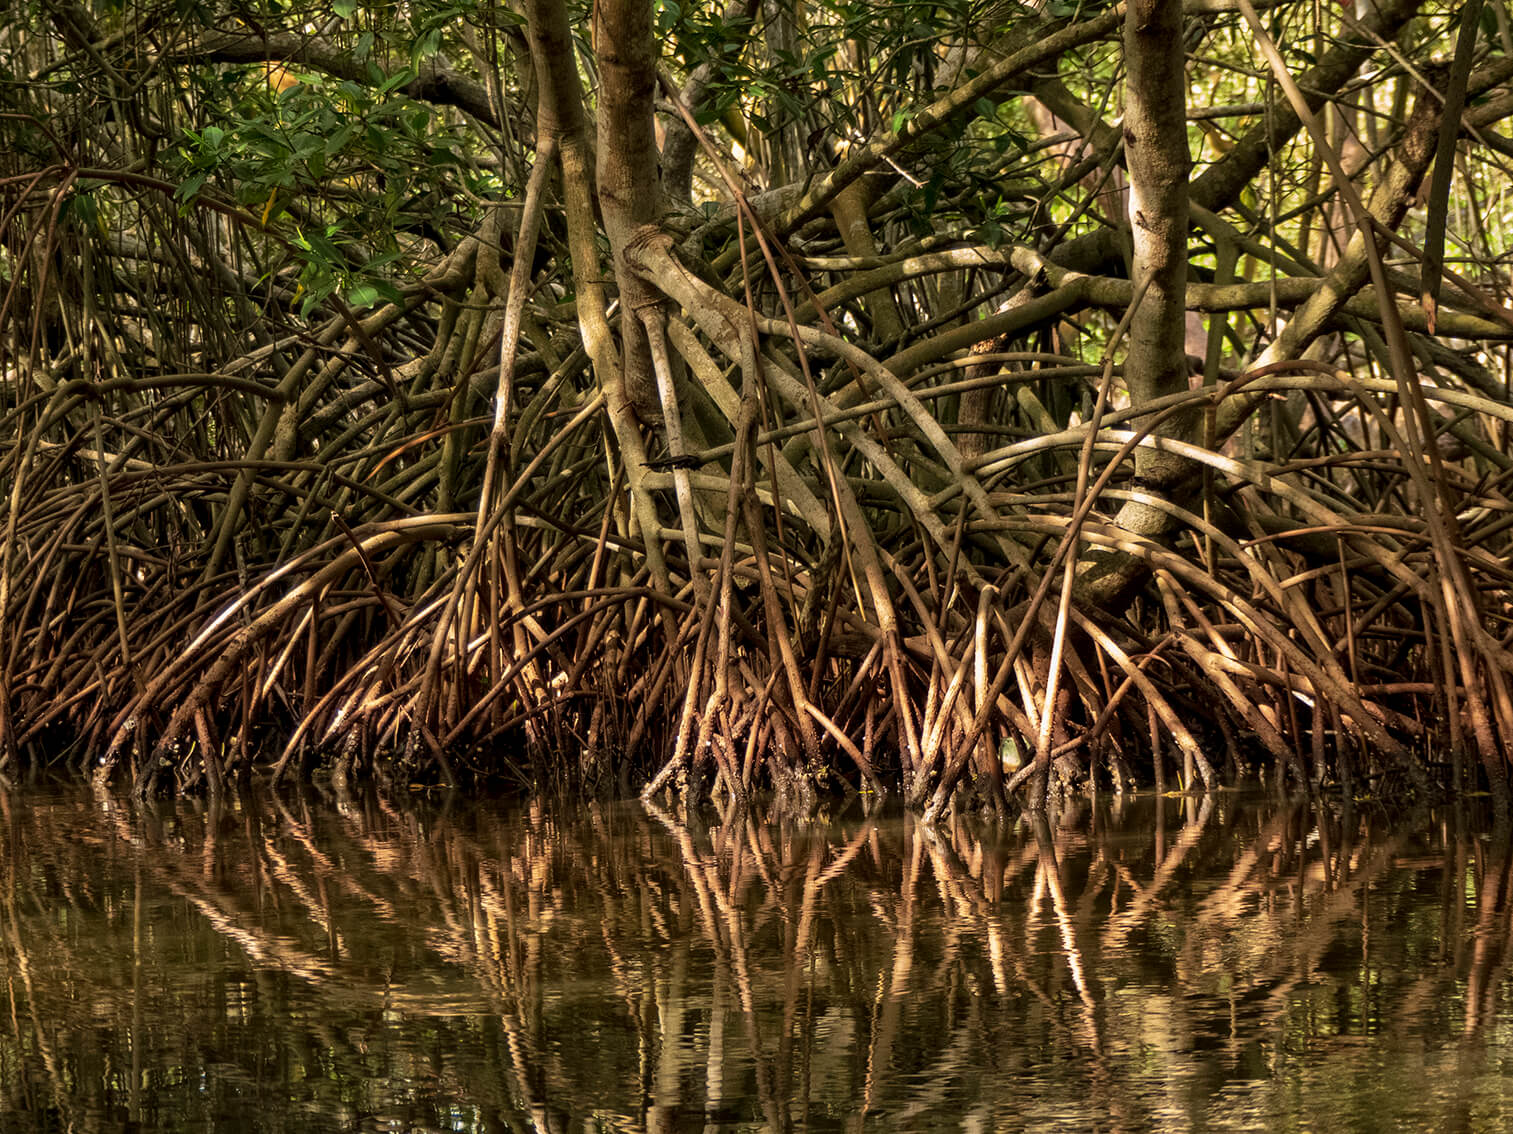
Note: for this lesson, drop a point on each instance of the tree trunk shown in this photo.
(629, 189)
(1156, 153)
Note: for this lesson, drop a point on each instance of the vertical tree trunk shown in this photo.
(1155, 142)
(629, 189)
(1155, 364)
(562, 112)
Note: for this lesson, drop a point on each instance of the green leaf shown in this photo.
(346, 9)
(189, 189)
(396, 80)
(337, 142)
(379, 262)
(363, 295)
(82, 207)
(425, 47)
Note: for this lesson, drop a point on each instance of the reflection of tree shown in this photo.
(626, 967)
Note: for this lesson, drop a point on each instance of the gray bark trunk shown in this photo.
(1155, 143)
(629, 187)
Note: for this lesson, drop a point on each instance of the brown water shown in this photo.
(294, 965)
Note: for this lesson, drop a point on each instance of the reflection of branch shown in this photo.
(744, 950)
(1488, 948)
(1115, 1101)
(715, 910)
(17, 949)
(1227, 902)
(891, 995)
(1120, 927)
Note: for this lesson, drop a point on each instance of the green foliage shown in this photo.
(353, 171)
(847, 67)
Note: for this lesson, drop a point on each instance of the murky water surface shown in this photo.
(294, 965)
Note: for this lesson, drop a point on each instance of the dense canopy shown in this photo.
(953, 398)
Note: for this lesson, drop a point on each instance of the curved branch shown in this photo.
(437, 82)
